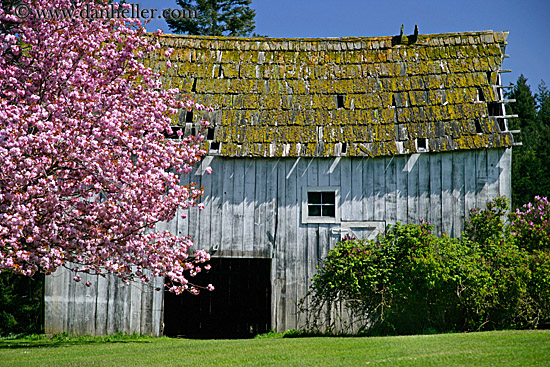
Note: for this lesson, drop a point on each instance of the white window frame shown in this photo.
(306, 219)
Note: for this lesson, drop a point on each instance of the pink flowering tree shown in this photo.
(86, 170)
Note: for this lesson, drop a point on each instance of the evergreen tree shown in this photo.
(531, 161)
(543, 138)
(215, 18)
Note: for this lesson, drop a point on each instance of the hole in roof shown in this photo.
(421, 144)
(189, 116)
(494, 109)
(220, 72)
(340, 101)
(214, 146)
(489, 77)
(502, 124)
(480, 95)
(479, 130)
(210, 133)
(393, 101)
(344, 148)
(194, 88)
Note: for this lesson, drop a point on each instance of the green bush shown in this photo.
(411, 281)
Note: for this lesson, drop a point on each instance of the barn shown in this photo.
(310, 140)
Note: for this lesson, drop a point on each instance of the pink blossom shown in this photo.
(85, 164)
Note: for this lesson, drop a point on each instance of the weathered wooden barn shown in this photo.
(311, 139)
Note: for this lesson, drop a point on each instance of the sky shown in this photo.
(528, 22)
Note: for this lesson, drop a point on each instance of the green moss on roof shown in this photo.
(307, 96)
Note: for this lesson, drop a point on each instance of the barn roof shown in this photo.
(353, 96)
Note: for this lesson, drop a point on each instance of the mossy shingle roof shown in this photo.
(354, 96)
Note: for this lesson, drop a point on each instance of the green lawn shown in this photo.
(502, 348)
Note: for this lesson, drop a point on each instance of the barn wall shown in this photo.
(253, 210)
(253, 206)
(106, 307)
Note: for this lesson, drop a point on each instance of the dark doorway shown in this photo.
(239, 307)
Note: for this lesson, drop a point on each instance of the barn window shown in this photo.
(320, 205)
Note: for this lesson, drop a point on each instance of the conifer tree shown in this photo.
(215, 18)
(530, 162)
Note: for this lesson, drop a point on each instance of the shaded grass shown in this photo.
(499, 348)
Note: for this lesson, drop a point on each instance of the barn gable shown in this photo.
(311, 139)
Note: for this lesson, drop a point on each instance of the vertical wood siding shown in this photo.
(107, 307)
(253, 210)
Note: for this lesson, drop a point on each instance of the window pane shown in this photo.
(328, 211)
(314, 210)
(314, 197)
(328, 198)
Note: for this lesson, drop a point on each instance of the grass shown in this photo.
(498, 348)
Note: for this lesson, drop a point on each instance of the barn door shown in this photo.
(239, 307)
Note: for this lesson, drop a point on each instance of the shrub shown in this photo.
(410, 281)
(530, 225)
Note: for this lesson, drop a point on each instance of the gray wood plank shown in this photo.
(379, 189)
(101, 313)
(458, 193)
(205, 216)
(401, 201)
(313, 255)
(135, 307)
(157, 306)
(505, 169)
(481, 178)
(390, 191)
(111, 304)
(435, 191)
(413, 192)
(238, 205)
(469, 182)
(493, 173)
(226, 243)
(280, 245)
(271, 204)
(356, 178)
(302, 260)
(423, 163)
(447, 203)
(271, 226)
(249, 205)
(291, 240)
(260, 206)
(368, 197)
(324, 167)
(346, 197)
(216, 202)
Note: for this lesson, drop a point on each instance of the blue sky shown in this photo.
(528, 22)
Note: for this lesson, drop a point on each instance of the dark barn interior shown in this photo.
(239, 307)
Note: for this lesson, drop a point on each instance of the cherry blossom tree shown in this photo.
(86, 170)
